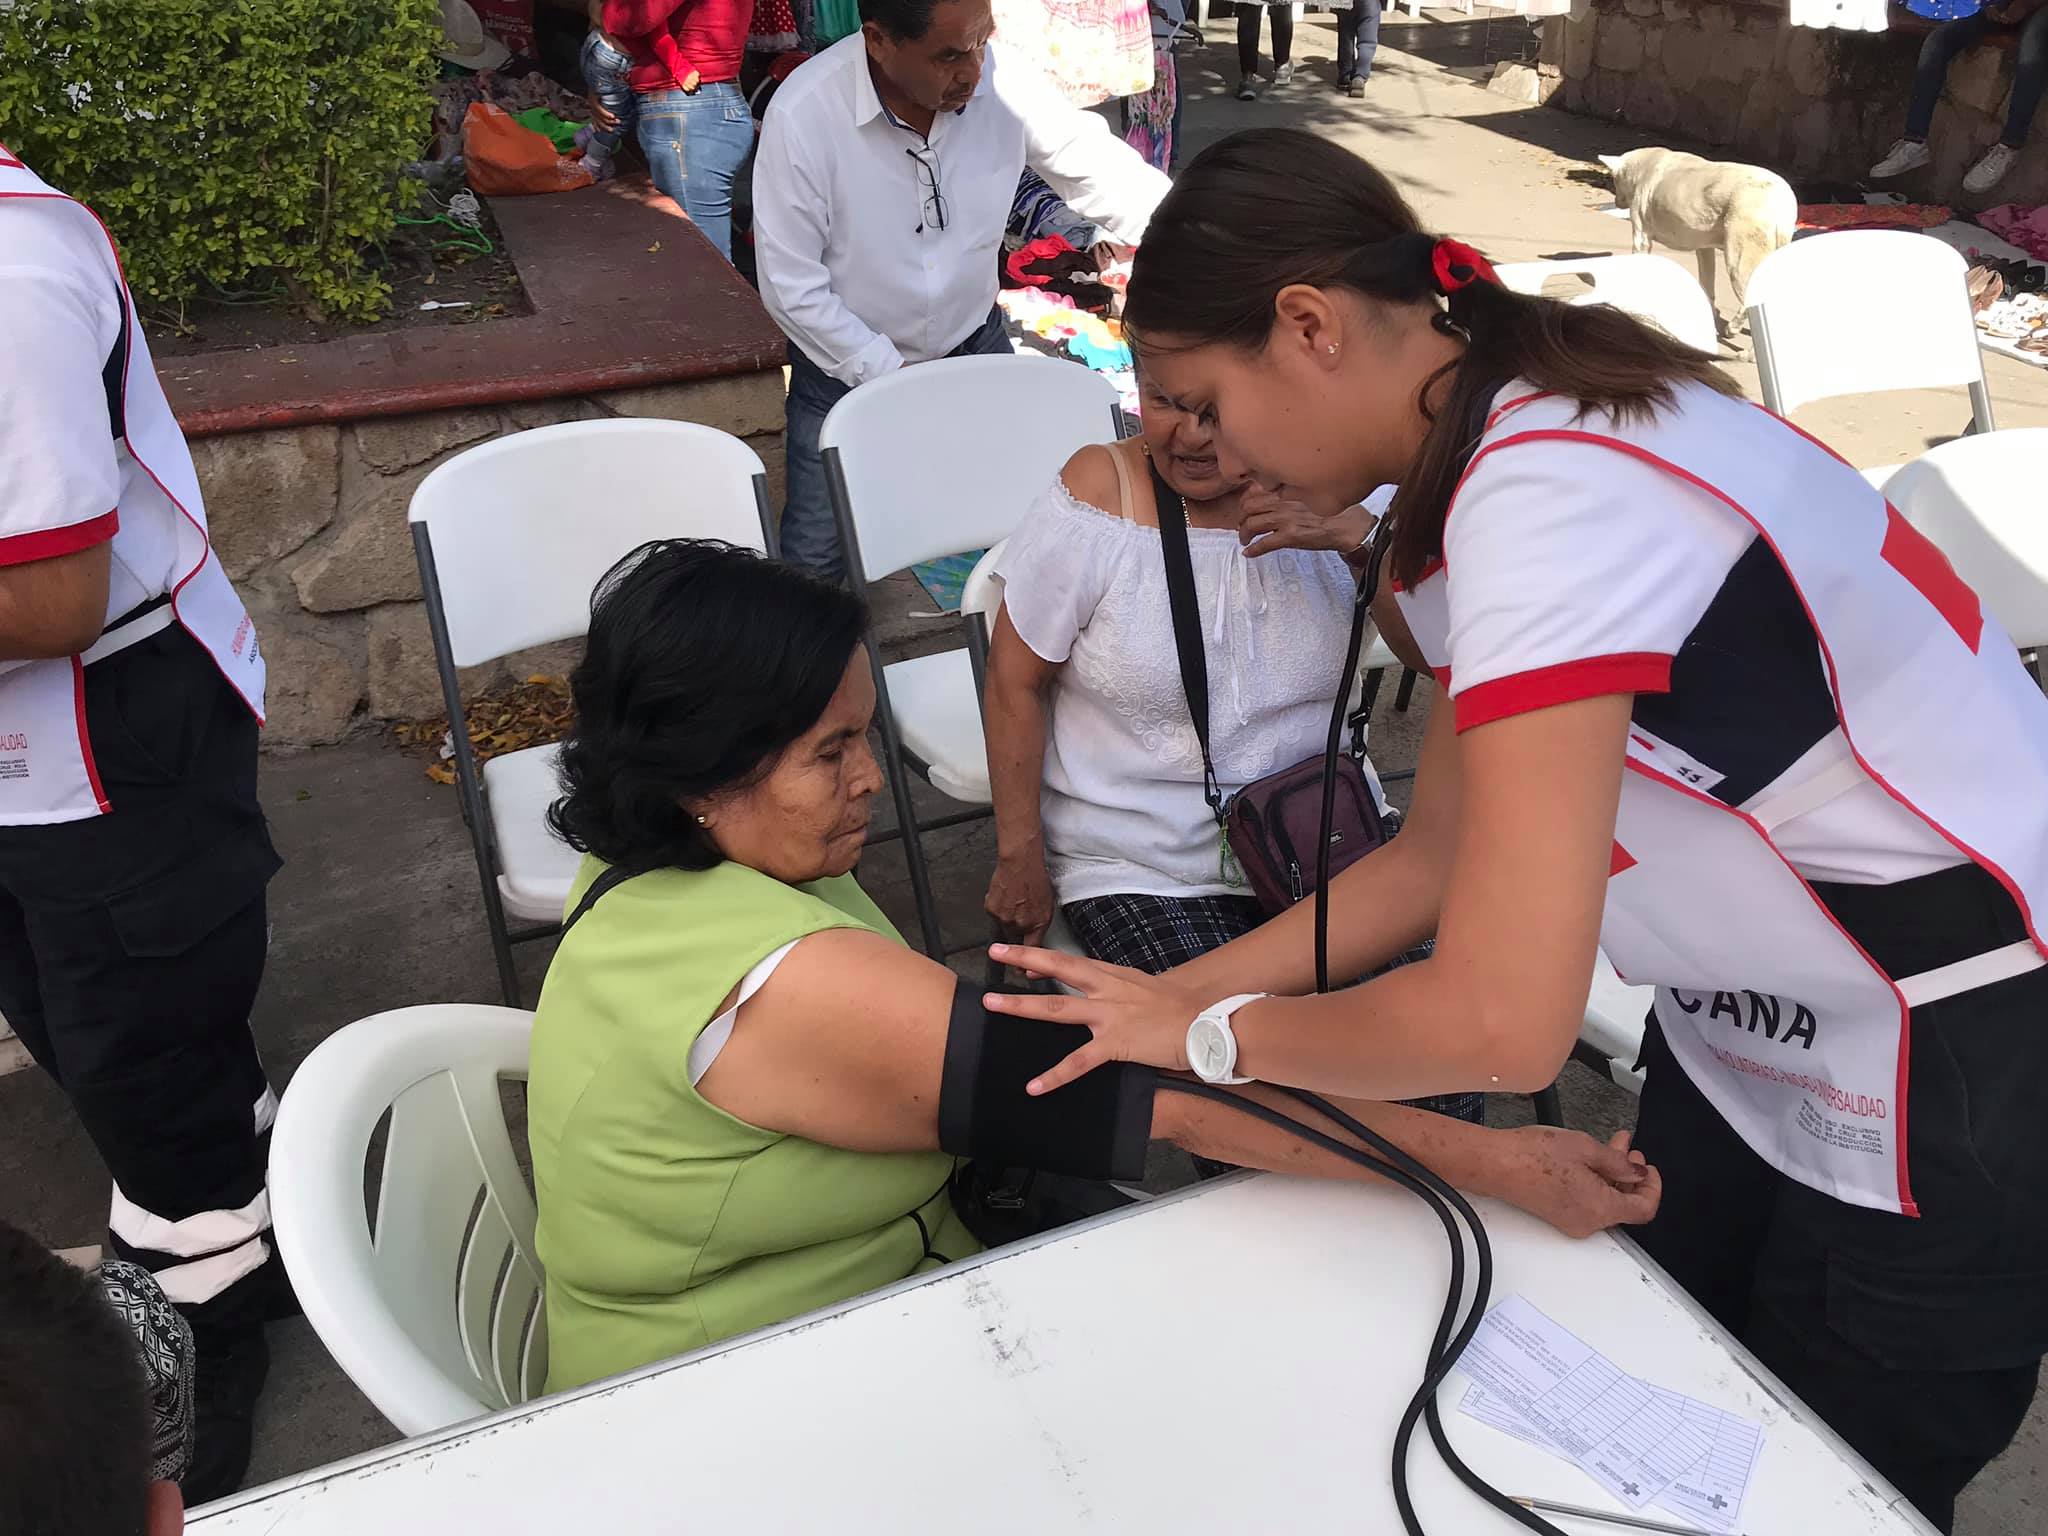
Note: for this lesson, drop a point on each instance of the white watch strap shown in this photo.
(1222, 1013)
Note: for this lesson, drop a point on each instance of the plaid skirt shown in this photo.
(1156, 933)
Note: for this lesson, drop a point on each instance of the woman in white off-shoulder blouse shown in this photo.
(1096, 773)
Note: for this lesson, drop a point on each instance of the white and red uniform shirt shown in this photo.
(1818, 698)
(90, 454)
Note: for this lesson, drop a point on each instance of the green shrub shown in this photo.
(235, 142)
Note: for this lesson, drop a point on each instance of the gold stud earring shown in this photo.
(703, 821)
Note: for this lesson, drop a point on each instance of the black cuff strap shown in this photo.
(1094, 1128)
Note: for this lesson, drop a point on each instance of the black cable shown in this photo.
(1449, 1341)
(1447, 1344)
(1443, 1359)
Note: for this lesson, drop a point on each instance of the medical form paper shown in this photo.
(1643, 1444)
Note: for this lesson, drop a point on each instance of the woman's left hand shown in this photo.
(1132, 1016)
(1579, 1185)
(1275, 521)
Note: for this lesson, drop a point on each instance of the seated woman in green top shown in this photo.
(737, 1062)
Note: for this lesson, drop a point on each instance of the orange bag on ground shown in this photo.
(505, 158)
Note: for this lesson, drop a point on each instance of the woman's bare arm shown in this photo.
(1020, 683)
(845, 1045)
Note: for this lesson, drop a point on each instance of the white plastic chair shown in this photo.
(511, 537)
(1611, 1038)
(1862, 312)
(931, 461)
(1979, 500)
(436, 1311)
(1650, 287)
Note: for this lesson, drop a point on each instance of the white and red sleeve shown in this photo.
(59, 477)
(1574, 570)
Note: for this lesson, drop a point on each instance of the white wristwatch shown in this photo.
(1212, 1044)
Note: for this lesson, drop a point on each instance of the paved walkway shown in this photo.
(377, 905)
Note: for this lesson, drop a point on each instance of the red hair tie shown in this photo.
(1457, 265)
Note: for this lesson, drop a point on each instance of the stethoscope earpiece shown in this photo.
(1442, 321)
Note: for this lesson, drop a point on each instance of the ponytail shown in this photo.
(1273, 207)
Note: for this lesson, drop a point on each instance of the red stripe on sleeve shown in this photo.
(1568, 681)
(49, 543)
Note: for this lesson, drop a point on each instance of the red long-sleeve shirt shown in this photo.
(669, 39)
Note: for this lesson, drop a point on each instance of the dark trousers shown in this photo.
(810, 534)
(2029, 72)
(1918, 1340)
(131, 945)
(1358, 39)
(1248, 36)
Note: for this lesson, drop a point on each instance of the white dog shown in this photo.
(1688, 204)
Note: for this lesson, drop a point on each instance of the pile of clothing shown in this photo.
(1822, 218)
(454, 96)
(1061, 302)
(2020, 225)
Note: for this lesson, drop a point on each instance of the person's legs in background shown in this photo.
(2029, 78)
(1358, 40)
(989, 339)
(2029, 75)
(1179, 101)
(694, 142)
(1283, 43)
(604, 76)
(810, 533)
(1248, 15)
(1941, 47)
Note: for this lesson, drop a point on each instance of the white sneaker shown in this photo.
(1906, 155)
(1285, 73)
(1990, 171)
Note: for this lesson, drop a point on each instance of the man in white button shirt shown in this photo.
(883, 182)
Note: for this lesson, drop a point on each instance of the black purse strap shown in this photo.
(612, 876)
(1187, 622)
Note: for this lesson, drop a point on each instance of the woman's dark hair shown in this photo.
(1272, 207)
(704, 663)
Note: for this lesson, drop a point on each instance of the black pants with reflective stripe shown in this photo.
(1918, 1340)
(131, 945)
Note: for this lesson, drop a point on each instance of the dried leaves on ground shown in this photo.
(508, 718)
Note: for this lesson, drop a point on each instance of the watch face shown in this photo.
(1206, 1052)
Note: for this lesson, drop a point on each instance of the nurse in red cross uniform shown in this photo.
(1706, 701)
(133, 853)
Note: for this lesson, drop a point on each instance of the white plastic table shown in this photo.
(1230, 1359)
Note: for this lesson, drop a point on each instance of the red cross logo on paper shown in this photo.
(1619, 861)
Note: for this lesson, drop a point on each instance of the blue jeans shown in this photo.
(810, 533)
(2029, 72)
(694, 142)
(1358, 39)
(604, 75)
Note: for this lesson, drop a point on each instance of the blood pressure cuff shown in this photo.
(1094, 1128)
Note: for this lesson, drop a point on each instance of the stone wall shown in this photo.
(310, 522)
(1801, 101)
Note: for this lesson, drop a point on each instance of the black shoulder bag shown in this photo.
(1290, 831)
